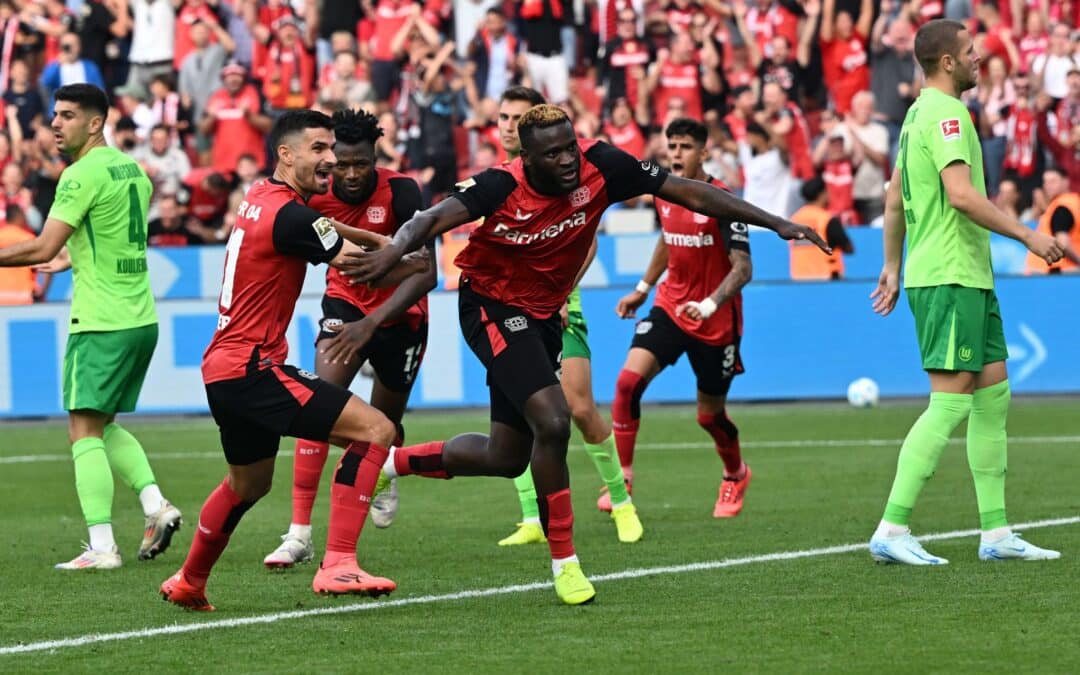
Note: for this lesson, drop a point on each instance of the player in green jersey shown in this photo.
(100, 213)
(576, 379)
(938, 200)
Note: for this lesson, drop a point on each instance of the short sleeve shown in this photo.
(485, 192)
(1061, 221)
(949, 139)
(404, 199)
(835, 235)
(624, 176)
(75, 194)
(303, 232)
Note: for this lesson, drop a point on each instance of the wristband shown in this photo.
(643, 287)
(707, 307)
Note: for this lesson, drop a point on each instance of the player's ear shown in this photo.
(96, 124)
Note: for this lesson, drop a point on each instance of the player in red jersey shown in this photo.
(391, 323)
(697, 312)
(541, 213)
(254, 396)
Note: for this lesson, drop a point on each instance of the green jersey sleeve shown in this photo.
(75, 194)
(948, 138)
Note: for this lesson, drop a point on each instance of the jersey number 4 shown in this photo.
(136, 221)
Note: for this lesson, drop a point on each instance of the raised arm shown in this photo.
(712, 201)
(809, 29)
(866, 18)
(828, 15)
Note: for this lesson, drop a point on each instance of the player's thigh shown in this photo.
(658, 343)
(396, 354)
(104, 370)
(995, 351)
(336, 313)
(234, 404)
(714, 367)
(992, 373)
(510, 445)
(950, 324)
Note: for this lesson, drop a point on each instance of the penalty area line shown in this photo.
(175, 629)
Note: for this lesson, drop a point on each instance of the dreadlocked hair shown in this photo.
(540, 117)
(352, 126)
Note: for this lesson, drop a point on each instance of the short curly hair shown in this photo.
(352, 126)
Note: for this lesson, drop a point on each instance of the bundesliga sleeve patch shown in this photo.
(324, 229)
(950, 129)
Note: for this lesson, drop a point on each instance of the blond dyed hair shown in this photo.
(541, 117)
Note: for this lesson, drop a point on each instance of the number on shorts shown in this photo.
(412, 361)
(729, 357)
(136, 223)
(232, 252)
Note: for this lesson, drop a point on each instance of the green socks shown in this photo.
(93, 480)
(987, 450)
(127, 458)
(530, 510)
(603, 458)
(921, 451)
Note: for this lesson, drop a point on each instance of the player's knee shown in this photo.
(512, 466)
(383, 432)
(552, 430)
(629, 387)
(252, 489)
(717, 421)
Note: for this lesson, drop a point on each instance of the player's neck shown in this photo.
(91, 143)
(511, 156)
(943, 83)
(290, 180)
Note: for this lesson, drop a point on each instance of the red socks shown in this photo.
(557, 517)
(726, 436)
(424, 460)
(309, 458)
(350, 498)
(217, 520)
(626, 414)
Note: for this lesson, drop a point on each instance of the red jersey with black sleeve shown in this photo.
(393, 200)
(276, 235)
(530, 247)
(698, 261)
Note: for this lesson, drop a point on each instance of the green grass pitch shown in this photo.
(817, 483)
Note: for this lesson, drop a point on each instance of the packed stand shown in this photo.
(791, 90)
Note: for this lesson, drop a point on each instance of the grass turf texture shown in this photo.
(833, 612)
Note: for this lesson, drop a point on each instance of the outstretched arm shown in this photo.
(371, 266)
(39, 250)
(710, 200)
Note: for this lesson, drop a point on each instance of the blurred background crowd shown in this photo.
(791, 90)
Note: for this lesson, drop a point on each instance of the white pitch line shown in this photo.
(96, 638)
(793, 443)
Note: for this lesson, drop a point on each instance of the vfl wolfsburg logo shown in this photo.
(965, 353)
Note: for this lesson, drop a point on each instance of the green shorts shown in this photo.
(959, 328)
(575, 338)
(104, 370)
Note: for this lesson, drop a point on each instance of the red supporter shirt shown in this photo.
(628, 138)
(233, 134)
(288, 76)
(777, 20)
(182, 44)
(200, 203)
(840, 184)
(394, 199)
(844, 63)
(275, 238)
(530, 247)
(698, 248)
(1031, 46)
(798, 142)
(628, 54)
(678, 81)
(390, 16)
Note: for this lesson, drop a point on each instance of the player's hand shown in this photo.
(368, 267)
(628, 304)
(789, 230)
(887, 292)
(350, 339)
(1044, 246)
(697, 311)
(564, 314)
(60, 263)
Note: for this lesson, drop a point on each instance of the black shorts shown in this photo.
(714, 365)
(253, 412)
(395, 352)
(522, 355)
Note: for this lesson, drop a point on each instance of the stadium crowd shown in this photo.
(790, 91)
